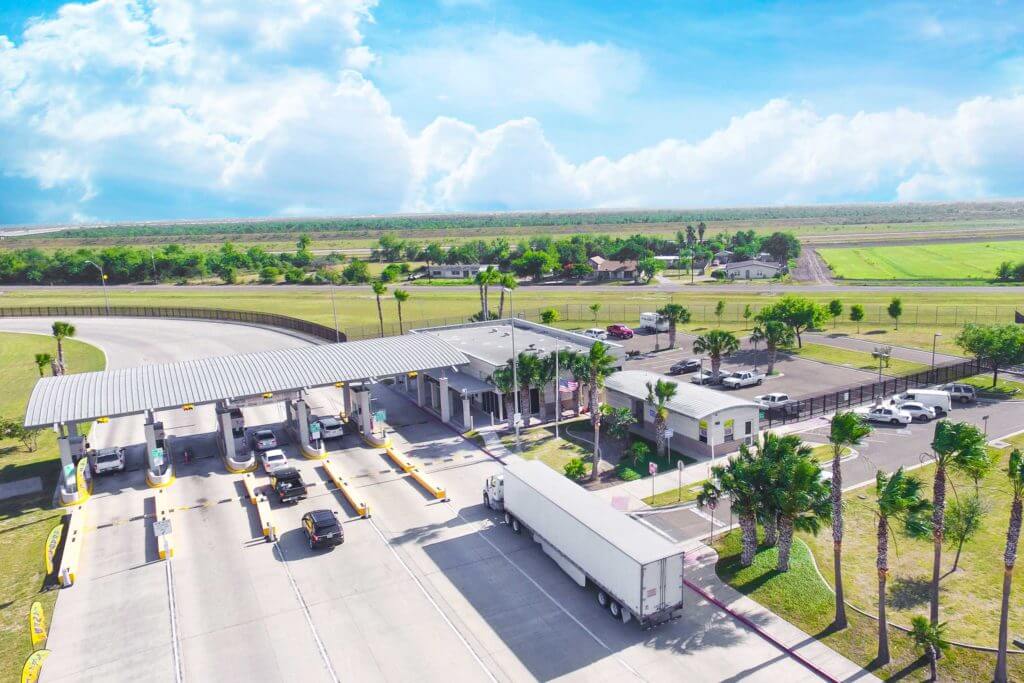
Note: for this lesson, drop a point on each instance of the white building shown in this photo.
(751, 270)
(705, 422)
(455, 270)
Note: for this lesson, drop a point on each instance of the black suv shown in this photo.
(322, 529)
(685, 366)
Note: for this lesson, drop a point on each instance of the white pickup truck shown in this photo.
(744, 378)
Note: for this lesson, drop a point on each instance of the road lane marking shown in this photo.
(172, 607)
(309, 617)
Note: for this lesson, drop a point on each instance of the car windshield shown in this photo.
(264, 435)
(106, 457)
(329, 423)
(275, 456)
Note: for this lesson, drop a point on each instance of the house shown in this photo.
(605, 269)
(704, 422)
(751, 270)
(456, 270)
(722, 257)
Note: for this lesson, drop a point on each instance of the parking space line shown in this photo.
(309, 617)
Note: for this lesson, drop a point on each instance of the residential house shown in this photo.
(605, 269)
(751, 270)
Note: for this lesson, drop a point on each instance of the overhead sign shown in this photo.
(37, 624)
(652, 468)
(34, 666)
(380, 416)
(50, 550)
(314, 429)
(264, 398)
(157, 456)
(669, 433)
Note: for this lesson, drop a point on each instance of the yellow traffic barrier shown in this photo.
(266, 518)
(250, 487)
(361, 508)
(164, 539)
(68, 569)
(421, 479)
(398, 459)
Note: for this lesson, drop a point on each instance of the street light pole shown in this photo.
(558, 391)
(515, 370)
(103, 281)
(334, 310)
(935, 338)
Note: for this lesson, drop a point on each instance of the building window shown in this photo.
(749, 429)
(638, 411)
(702, 434)
(729, 424)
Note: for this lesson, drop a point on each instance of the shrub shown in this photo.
(269, 275)
(626, 473)
(548, 316)
(294, 276)
(718, 274)
(575, 469)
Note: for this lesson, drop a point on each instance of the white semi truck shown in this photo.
(637, 573)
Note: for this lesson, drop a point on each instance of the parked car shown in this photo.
(704, 377)
(889, 414)
(331, 428)
(938, 400)
(919, 412)
(745, 378)
(288, 485)
(964, 393)
(106, 460)
(685, 366)
(595, 333)
(273, 460)
(619, 331)
(777, 404)
(653, 322)
(322, 529)
(264, 439)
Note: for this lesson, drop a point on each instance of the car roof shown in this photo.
(274, 451)
(323, 517)
(264, 431)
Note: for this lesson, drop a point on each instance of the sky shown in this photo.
(119, 110)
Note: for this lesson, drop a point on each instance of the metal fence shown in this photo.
(809, 406)
(218, 314)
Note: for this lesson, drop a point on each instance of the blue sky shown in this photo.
(132, 110)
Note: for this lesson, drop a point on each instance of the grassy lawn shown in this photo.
(855, 359)
(25, 521)
(687, 494)
(1004, 388)
(949, 261)
(802, 598)
(541, 444)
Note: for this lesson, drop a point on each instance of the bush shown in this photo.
(294, 276)
(626, 473)
(549, 316)
(269, 275)
(575, 469)
(718, 274)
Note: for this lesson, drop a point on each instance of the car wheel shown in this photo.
(310, 543)
(615, 609)
(516, 527)
(963, 399)
(758, 382)
(602, 599)
(894, 421)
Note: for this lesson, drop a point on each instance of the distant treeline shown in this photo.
(851, 214)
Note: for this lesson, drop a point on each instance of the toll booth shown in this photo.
(231, 438)
(159, 465)
(304, 429)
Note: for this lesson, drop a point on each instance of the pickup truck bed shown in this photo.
(288, 485)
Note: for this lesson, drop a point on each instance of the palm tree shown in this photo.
(483, 280)
(595, 308)
(897, 497)
(738, 479)
(401, 296)
(62, 331)
(1015, 472)
(501, 378)
(545, 376)
(658, 395)
(591, 369)
(717, 344)
(958, 447)
(800, 497)
(42, 360)
(675, 314)
(528, 371)
(507, 281)
(930, 639)
(708, 498)
(774, 334)
(848, 429)
(378, 289)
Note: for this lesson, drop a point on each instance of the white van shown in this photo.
(653, 322)
(933, 398)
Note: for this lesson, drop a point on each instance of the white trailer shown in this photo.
(636, 572)
(654, 322)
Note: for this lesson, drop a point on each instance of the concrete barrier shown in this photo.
(164, 540)
(160, 481)
(421, 479)
(266, 519)
(361, 508)
(68, 570)
(250, 487)
(398, 459)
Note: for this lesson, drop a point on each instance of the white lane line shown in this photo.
(431, 600)
(700, 513)
(309, 617)
(550, 597)
(175, 642)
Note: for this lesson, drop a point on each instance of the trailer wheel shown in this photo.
(615, 609)
(516, 527)
(487, 501)
(602, 599)
(508, 518)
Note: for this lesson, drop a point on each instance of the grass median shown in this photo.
(25, 521)
(859, 360)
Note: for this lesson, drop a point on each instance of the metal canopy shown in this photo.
(89, 395)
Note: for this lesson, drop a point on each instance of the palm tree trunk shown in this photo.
(672, 336)
(501, 305)
(1009, 559)
(932, 668)
(509, 410)
(400, 328)
(716, 363)
(771, 530)
(660, 425)
(772, 350)
(60, 355)
(595, 420)
(882, 564)
(785, 543)
(380, 316)
(837, 538)
(748, 529)
(938, 532)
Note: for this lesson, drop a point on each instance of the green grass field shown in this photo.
(855, 359)
(948, 261)
(25, 521)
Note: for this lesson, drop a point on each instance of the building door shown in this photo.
(638, 411)
(534, 401)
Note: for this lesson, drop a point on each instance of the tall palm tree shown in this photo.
(848, 429)
(930, 639)
(675, 314)
(483, 280)
(545, 376)
(1015, 472)
(507, 281)
(591, 369)
(528, 371)
(801, 498)
(897, 497)
(738, 479)
(774, 334)
(62, 331)
(957, 447)
(42, 360)
(378, 289)
(771, 450)
(709, 497)
(401, 296)
(717, 344)
(501, 378)
(658, 395)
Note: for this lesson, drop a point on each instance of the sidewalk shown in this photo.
(700, 572)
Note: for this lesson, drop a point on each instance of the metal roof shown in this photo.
(691, 400)
(89, 395)
(462, 382)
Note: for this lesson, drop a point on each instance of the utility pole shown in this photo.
(334, 309)
(517, 415)
(103, 281)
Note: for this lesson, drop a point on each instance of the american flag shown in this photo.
(567, 386)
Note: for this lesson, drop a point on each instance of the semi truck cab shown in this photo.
(494, 492)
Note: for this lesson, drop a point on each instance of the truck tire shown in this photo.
(615, 609)
(894, 421)
(759, 382)
(516, 526)
(963, 399)
(602, 599)
(487, 501)
(508, 519)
